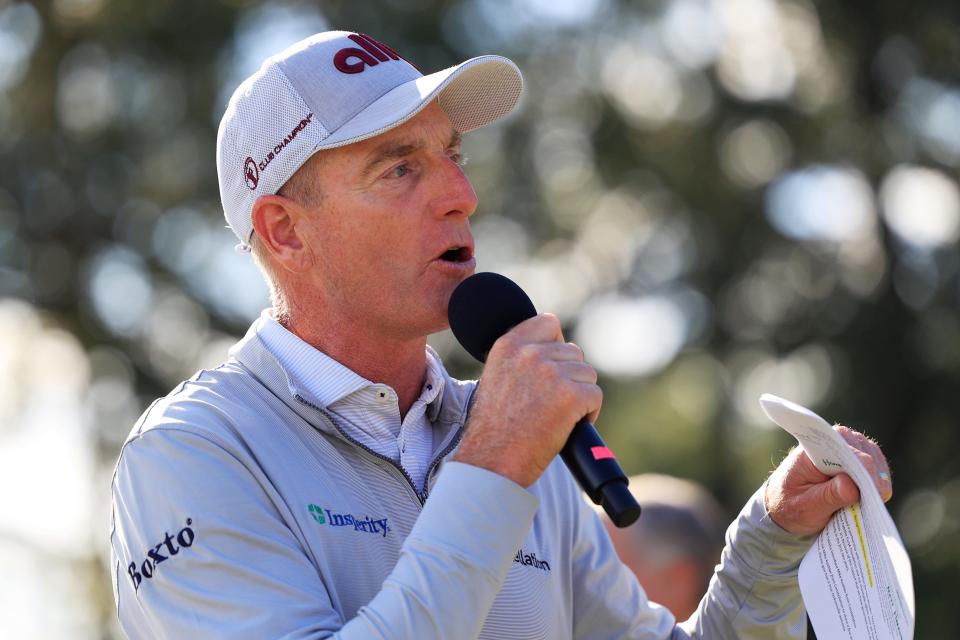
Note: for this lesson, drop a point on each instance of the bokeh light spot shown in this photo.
(120, 289)
(631, 336)
(822, 202)
(921, 206)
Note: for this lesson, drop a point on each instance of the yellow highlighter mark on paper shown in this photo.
(863, 544)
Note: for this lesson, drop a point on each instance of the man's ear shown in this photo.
(275, 219)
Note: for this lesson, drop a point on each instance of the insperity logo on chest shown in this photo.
(364, 524)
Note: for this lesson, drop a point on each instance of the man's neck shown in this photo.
(400, 364)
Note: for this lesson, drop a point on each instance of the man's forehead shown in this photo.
(431, 124)
(367, 155)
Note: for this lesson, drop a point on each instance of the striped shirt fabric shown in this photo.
(368, 412)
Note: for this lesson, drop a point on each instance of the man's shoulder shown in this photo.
(210, 404)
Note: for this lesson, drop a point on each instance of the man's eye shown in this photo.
(459, 158)
(399, 171)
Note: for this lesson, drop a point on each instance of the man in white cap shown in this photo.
(330, 479)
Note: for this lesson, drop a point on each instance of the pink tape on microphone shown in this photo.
(601, 453)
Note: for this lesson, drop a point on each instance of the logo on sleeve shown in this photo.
(365, 524)
(170, 546)
(531, 560)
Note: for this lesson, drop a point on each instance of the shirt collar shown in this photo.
(432, 392)
(325, 379)
(329, 381)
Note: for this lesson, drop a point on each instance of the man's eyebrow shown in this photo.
(399, 149)
(389, 151)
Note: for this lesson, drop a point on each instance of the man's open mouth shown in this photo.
(457, 254)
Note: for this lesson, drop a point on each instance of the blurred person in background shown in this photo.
(675, 545)
(331, 479)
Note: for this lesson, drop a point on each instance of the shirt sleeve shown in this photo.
(754, 593)
(200, 550)
(608, 601)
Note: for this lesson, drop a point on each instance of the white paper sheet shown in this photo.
(856, 580)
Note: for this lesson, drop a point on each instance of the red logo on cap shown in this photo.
(371, 54)
(251, 174)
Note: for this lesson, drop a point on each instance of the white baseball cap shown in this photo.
(333, 89)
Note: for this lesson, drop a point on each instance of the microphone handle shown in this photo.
(598, 473)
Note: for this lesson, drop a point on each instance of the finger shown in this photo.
(578, 372)
(854, 438)
(870, 454)
(884, 478)
(804, 467)
(870, 464)
(544, 327)
(562, 351)
(594, 401)
(838, 493)
(880, 468)
(574, 349)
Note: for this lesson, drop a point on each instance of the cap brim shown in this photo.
(473, 94)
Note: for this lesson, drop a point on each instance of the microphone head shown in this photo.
(484, 307)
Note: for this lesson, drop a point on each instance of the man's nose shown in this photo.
(454, 193)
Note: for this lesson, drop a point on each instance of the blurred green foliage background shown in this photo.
(719, 198)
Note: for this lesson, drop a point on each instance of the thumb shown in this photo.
(839, 492)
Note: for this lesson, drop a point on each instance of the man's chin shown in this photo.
(438, 325)
(436, 306)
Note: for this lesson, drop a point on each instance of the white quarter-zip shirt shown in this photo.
(240, 510)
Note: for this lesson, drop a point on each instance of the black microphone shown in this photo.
(484, 307)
